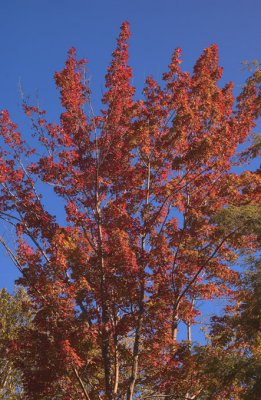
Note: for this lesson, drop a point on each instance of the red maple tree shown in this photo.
(141, 184)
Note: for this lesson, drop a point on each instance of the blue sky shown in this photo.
(35, 36)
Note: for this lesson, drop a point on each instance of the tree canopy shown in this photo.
(155, 216)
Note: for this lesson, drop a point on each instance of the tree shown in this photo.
(15, 313)
(141, 184)
(230, 365)
(231, 362)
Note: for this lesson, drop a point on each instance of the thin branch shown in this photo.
(204, 265)
(86, 394)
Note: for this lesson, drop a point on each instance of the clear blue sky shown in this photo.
(36, 34)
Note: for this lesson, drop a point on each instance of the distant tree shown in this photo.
(231, 364)
(15, 314)
(142, 185)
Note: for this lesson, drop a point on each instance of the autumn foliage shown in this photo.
(141, 183)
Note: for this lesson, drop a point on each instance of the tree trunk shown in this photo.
(174, 325)
(116, 368)
(104, 303)
(189, 332)
(136, 347)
